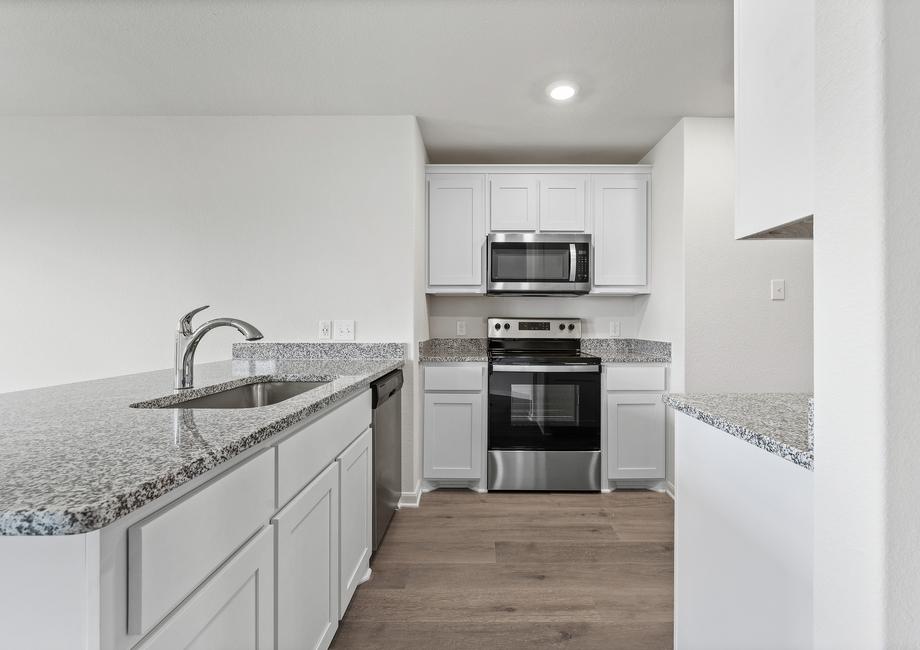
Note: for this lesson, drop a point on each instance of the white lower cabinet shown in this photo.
(234, 608)
(453, 438)
(307, 547)
(636, 430)
(635, 421)
(356, 505)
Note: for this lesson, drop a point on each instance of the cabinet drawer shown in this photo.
(233, 608)
(171, 552)
(306, 453)
(453, 378)
(633, 378)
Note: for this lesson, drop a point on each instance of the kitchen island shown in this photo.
(123, 524)
(743, 520)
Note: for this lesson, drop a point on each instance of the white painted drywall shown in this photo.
(710, 293)
(737, 339)
(596, 312)
(867, 310)
(662, 313)
(113, 227)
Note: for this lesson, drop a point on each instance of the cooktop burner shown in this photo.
(536, 341)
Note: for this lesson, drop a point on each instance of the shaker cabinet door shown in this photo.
(456, 230)
(635, 436)
(621, 230)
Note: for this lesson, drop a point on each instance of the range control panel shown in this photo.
(534, 328)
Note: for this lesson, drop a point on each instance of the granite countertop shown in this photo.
(779, 423)
(76, 457)
(610, 350)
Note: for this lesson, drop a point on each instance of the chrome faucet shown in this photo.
(188, 339)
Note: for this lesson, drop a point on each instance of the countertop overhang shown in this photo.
(75, 458)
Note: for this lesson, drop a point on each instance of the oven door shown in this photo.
(548, 408)
(538, 264)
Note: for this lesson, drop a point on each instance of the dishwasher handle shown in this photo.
(386, 387)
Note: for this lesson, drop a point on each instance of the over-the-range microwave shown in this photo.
(538, 264)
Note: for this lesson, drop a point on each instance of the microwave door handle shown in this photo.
(572, 260)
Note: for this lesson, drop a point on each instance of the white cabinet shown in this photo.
(356, 505)
(774, 113)
(456, 232)
(453, 435)
(233, 609)
(634, 421)
(307, 543)
(562, 202)
(513, 202)
(636, 431)
(621, 231)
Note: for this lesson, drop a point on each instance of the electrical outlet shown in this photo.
(615, 328)
(777, 289)
(325, 331)
(461, 328)
(343, 330)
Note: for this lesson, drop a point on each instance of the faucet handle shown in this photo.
(185, 323)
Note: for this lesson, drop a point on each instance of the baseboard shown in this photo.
(669, 489)
(411, 499)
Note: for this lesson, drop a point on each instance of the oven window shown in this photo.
(520, 262)
(549, 411)
(544, 404)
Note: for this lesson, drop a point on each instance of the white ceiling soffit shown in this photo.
(473, 71)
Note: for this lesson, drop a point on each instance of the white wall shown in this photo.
(113, 227)
(662, 312)
(867, 310)
(596, 311)
(738, 340)
(710, 295)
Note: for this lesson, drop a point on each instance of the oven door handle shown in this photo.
(578, 367)
(573, 259)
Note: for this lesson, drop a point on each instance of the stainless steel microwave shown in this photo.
(539, 264)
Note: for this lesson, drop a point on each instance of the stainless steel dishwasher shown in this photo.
(386, 423)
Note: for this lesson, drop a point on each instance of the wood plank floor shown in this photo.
(520, 570)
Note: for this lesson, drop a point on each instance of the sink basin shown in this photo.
(249, 396)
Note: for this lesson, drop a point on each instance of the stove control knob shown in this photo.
(571, 326)
(507, 326)
(562, 326)
(498, 326)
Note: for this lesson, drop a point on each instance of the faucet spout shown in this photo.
(187, 340)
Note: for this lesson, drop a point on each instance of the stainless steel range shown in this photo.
(544, 406)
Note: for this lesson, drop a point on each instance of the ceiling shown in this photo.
(473, 71)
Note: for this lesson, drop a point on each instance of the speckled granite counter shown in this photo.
(609, 350)
(776, 422)
(619, 350)
(74, 458)
(450, 350)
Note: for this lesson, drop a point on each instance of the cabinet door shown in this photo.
(453, 438)
(307, 542)
(635, 436)
(562, 202)
(456, 229)
(513, 202)
(620, 230)
(356, 484)
(232, 609)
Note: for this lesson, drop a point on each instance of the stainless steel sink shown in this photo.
(249, 396)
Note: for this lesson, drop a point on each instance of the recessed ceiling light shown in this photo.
(561, 91)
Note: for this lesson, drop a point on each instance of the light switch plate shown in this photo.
(325, 330)
(777, 289)
(615, 328)
(461, 328)
(343, 330)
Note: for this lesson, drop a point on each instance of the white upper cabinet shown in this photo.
(562, 202)
(621, 232)
(513, 202)
(456, 232)
(774, 113)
